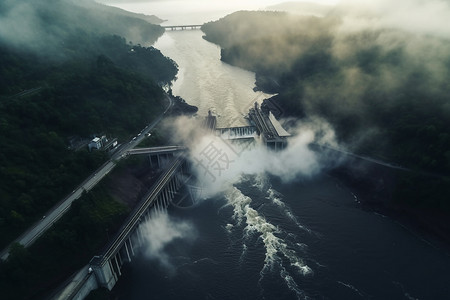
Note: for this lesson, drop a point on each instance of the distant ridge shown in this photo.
(308, 8)
(152, 19)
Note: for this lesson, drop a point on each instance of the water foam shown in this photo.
(243, 254)
(292, 285)
(277, 250)
(261, 181)
(276, 198)
(240, 204)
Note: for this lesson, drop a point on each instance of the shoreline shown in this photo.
(428, 225)
(374, 186)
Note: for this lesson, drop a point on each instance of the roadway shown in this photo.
(56, 212)
(182, 27)
(155, 150)
(136, 215)
(72, 286)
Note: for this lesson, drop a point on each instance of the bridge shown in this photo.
(105, 269)
(155, 150)
(183, 27)
(107, 266)
(157, 156)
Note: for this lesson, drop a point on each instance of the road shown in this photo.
(72, 285)
(55, 213)
(155, 150)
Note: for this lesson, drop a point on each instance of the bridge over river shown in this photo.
(182, 27)
(104, 270)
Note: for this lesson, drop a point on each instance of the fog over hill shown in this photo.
(377, 71)
(302, 8)
(69, 70)
(44, 26)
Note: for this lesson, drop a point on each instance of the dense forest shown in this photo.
(68, 73)
(384, 90)
(33, 272)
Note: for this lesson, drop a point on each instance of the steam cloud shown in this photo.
(159, 232)
(20, 25)
(424, 17)
(49, 27)
(218, 163)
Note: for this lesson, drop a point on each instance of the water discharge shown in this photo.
(277, 251)
(276, 199)
(297, 237)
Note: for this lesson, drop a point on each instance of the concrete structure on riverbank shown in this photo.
(262, 124)
(104, 270)
(107, 266)
(272, 133)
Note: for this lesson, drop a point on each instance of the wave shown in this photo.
(229, 227)
(351, 287)
(291, 284)
(276, 198)
(277, 251)
(243, 254)
(205, 259)
(261, 181)
(355, 198)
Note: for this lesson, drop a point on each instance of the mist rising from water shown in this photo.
(159, 232)
(219, 163)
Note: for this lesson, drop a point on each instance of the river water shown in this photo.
(267, 238)
(207, 82)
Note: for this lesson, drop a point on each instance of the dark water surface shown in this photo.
(263, 239)
(304, 240)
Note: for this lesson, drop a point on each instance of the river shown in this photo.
(271, 238)
(207, 82)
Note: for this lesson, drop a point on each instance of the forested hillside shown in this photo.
(67, 71)
(384, 90)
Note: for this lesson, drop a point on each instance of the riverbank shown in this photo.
(181, 107)
(375, 186)
(413, 199)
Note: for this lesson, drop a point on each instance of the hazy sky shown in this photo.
(195, 11)
(422, 16)
(217, 2)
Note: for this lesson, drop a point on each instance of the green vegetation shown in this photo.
(77, 98)
(180, 107)
(68, 72)
(157, 138)
(385, 91)
(44, 26)
(68, 75)
(67, 246)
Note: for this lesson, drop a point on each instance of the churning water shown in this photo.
(266, 239)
